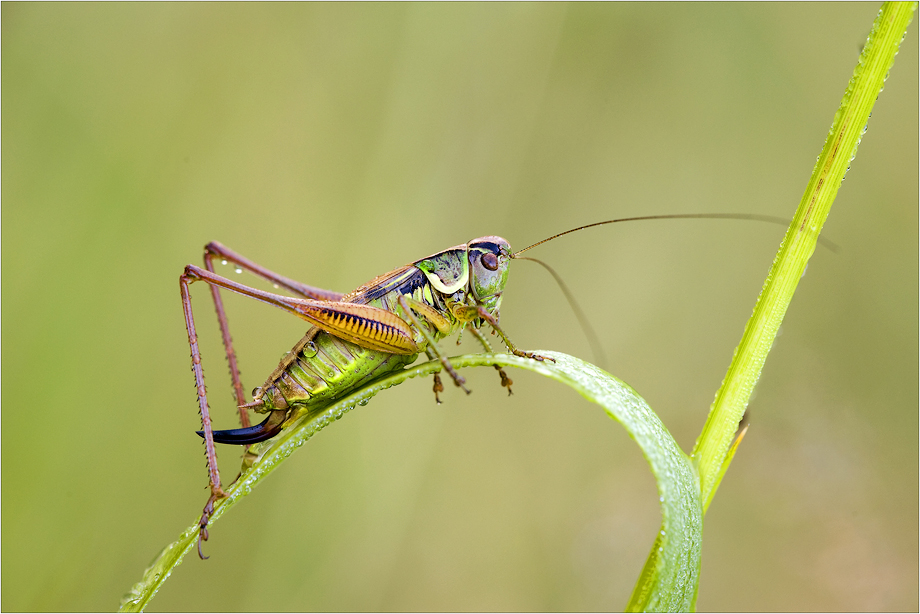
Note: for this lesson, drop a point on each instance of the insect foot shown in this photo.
(536, 357)
(506, 381)
(203, 521)
(438, 387)
(459, 380)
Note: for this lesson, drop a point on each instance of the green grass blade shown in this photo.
(671, 577)
(799, 243)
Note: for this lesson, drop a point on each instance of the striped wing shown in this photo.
(365, 325)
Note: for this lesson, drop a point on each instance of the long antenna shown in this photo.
(710, 216)
(600, 357)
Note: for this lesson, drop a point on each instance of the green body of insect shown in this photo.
(381, 327)
(378, 328)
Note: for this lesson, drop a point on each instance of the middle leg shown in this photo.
(506, 381)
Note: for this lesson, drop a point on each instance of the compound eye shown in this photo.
(490, 261)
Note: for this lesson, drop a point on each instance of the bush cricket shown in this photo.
(378, 328)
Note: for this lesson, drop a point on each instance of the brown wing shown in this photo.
(365, 325)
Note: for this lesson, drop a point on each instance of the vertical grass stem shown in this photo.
(849, 125)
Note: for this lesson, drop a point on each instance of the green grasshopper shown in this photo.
(357, 337)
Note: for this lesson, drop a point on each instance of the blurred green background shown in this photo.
(333, 143)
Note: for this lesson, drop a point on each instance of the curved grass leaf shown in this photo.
(671, 575)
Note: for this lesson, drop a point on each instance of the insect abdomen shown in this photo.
(324, 367)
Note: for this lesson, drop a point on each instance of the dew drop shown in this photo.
(237, 270)
(223, 262)
(363, 402)
(309, 350)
